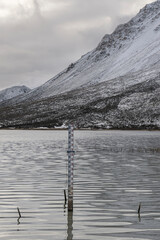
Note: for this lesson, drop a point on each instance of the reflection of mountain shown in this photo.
(116, 85)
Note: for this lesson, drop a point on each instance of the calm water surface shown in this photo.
(114, 172)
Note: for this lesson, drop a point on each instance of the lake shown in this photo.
(114, 172)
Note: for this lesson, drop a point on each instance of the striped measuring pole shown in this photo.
(70, 166)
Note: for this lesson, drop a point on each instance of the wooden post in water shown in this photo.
(70, 166)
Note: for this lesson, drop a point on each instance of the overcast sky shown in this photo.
(39, 38)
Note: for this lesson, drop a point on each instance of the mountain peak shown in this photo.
(125, 33)
(132, 47)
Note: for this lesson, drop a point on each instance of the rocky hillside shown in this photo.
(111, 104)
(117, 85)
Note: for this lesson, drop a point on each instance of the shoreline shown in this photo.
(78, 129)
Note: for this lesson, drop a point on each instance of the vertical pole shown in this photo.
(70, 226)
(70, 167)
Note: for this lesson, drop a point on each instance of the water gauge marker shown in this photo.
(70, 166)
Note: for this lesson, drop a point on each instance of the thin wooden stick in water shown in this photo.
(139, 209)
(19, 212)
(65, 197)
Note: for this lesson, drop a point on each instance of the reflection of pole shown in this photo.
(70, 167)
(70, 226)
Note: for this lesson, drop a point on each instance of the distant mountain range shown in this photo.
(12, 92)
(117, 85)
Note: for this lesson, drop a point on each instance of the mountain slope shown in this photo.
(131, 47)
(12, 92)
(117, 85)
(111, 104)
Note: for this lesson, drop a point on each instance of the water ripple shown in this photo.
(114, 172)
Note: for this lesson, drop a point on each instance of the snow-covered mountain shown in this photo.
(12, 92)
(116, 85)
(134, 46)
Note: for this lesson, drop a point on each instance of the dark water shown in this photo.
(114, 172)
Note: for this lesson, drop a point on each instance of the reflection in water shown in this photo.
(18, 222)
(139, 217)
(70, 226)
